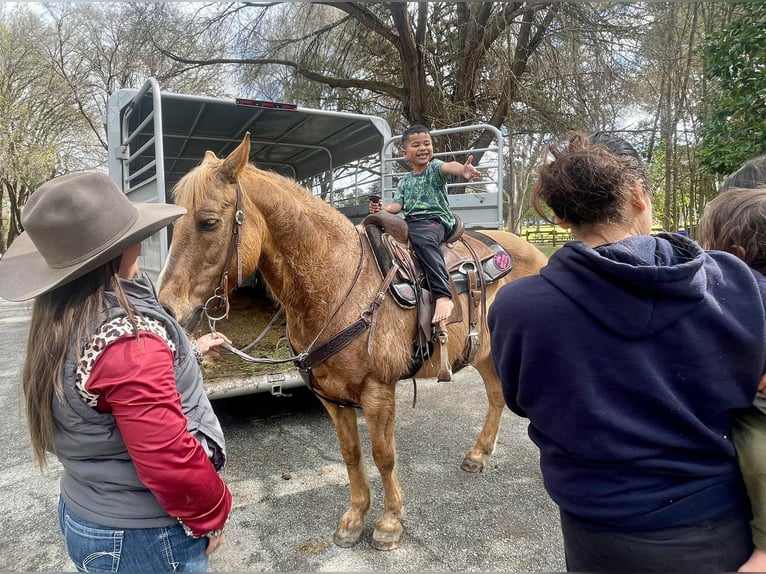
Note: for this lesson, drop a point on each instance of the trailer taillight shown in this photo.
(265, 104)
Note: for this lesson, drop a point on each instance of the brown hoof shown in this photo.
(472, 466)
(346, 539)
(386, 540)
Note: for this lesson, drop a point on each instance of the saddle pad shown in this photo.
(496, 262)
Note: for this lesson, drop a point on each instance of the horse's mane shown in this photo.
(190, 189)
(193, 187)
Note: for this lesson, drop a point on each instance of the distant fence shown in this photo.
(547, 235)
(550, 235)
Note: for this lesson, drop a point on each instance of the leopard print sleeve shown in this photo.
(106, 334)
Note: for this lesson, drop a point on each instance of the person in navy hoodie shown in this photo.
(628, 354)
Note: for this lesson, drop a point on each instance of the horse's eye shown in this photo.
(207, 224)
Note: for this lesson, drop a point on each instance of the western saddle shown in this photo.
(473, 261)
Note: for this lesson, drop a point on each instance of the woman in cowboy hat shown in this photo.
(112, 384)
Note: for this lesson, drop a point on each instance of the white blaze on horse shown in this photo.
(354, 343)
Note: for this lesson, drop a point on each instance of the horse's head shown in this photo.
(204, 239)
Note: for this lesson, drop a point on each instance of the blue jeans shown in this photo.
(95, 548)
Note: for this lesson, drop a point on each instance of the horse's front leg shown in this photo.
(352, 522)
(477, 456)
(379, 405)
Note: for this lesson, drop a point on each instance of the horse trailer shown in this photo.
(155, 137)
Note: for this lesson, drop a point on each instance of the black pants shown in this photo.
(720, 545)
(426, 236)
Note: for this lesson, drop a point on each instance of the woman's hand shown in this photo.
(215, 541)
(208, 343)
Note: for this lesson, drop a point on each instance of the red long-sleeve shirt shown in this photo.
(136, 383)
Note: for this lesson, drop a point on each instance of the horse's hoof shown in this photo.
(386, 540)
(346, 538)
(473, 466)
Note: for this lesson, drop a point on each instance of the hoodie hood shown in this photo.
(633, 287)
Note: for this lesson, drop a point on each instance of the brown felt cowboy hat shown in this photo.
(73, 224)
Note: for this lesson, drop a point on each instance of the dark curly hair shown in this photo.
(588, 179)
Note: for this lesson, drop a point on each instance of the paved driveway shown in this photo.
(290, 486)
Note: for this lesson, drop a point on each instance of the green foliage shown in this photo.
(548, 250)
(735, 59)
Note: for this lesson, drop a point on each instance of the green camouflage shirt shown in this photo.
(425, 195)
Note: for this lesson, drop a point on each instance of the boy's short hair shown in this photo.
(412, 130)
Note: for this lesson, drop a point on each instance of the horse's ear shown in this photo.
(237, 160)
(209, 156)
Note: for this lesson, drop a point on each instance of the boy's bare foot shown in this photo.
(443, 309)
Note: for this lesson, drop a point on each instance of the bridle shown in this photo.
(216, 308)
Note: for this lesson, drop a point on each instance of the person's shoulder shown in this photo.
(729, 271)
(728, 264)
(436, 164)
(519, 292)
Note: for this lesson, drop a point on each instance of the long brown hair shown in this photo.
(59, 319)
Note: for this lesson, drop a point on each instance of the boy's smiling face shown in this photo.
(418, 150)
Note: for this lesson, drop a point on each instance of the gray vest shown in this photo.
(99, 482)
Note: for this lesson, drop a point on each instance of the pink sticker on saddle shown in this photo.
(502, 261)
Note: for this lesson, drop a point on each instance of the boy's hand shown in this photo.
(469, 172)
(375, 206)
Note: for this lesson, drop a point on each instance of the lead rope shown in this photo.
(300, 357)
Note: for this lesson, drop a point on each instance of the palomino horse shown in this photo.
(314, 263)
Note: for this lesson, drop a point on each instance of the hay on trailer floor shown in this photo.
(250, 313)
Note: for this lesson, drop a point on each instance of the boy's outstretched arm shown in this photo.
(466, 170)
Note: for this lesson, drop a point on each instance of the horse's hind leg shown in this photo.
(380, 410)
(352, 522)
(476, 457)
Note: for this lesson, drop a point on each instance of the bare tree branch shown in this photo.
(333, 82)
